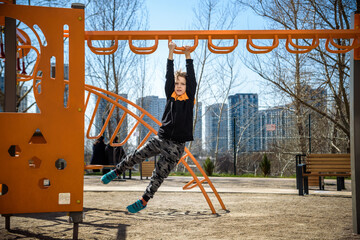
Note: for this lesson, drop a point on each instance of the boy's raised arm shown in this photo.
(172, 47)
(190, 80)
(170, 79)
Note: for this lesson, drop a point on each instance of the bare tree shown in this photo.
(298, 76)
(116, 72)
(227, 74)
(209, 15)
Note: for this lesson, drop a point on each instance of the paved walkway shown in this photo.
(222, 185)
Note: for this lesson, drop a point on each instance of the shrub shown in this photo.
(265, 165)
(208, 167)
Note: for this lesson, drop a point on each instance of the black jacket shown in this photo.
(177, 120)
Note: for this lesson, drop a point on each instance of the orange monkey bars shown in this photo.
(114, 100)
(249, 35)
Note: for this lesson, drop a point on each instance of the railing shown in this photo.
(114, 100)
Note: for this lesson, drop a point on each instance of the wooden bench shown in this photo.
(147, 167)
(313, 181)
(323, 165)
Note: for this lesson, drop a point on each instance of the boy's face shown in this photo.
(180, 85)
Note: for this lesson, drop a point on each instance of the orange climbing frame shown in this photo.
(314, 36)
(28, 168)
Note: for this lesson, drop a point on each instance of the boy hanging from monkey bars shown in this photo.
(175, 130)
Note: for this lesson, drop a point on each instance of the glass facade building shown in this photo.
(212, 117)
(244, 122)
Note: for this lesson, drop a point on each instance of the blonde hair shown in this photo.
(179, 73)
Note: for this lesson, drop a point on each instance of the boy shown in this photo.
(176, 129)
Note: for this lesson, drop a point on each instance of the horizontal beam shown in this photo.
(221, 34)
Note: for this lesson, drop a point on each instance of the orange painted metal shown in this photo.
(222, 50)
(88, 167)
(220, 34)
(235, 35)
(7, 1)
(261, 49)
(178, 50)
(301, 49)
(143, 50)
(114, 100)
(102, 51)
(26, 77)
(37, 189)
(23, 39)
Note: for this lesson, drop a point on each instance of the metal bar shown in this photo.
(306, 185)
(309, 133)
(205, 176)
(338, 184)
(234, 146)
(7, 222)
(221, 34)
(355, 134)
(200, 185)
(296, 164)
(76, 231)
(299, 179)
(10, 65)
(76, 218)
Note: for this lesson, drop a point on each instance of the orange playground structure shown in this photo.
(42, 154)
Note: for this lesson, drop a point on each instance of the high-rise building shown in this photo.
(316, 97)
(314, 122)
(198, 125)
(212, 117)
(153, 105)
(196, 145)
(276, 126)
(24, 103)
(243, 110)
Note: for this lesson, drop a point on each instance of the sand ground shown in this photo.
(256, 208)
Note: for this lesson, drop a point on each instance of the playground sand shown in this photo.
(186, 215)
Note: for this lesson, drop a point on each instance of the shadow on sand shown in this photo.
(65, 230)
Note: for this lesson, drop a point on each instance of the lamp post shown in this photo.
(309, 133)
(234, 146)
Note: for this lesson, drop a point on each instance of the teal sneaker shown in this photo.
(108, 177)
(136, 206)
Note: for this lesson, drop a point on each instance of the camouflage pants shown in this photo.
(170, 153)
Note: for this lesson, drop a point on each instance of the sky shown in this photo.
(178, 15)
